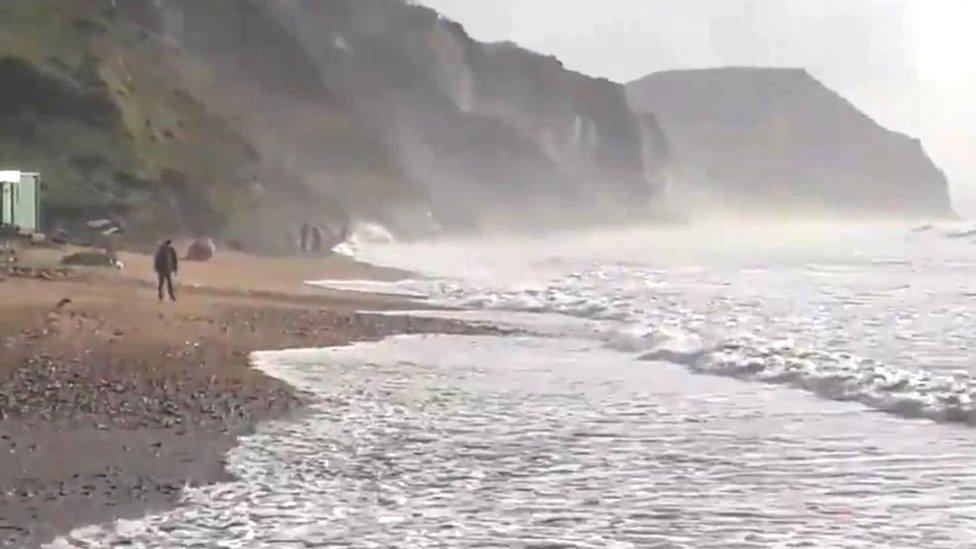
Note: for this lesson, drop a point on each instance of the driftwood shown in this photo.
(90, 259)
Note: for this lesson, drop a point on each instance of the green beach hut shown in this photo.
(20, 200)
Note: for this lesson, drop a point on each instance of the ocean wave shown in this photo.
(951, 230)
(406, 288)
(432, 442)
(915, 394)
(362, 235)
(645, 314)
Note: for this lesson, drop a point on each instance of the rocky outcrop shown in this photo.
(779, 141)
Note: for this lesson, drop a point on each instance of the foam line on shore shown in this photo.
(408, 289)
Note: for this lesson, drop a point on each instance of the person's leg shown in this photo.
(159, 289)
(169, 286)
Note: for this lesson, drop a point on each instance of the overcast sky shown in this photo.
(911, 64)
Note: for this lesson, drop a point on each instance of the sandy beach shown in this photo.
(111, 402)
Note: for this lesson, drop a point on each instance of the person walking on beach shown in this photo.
(167, 265)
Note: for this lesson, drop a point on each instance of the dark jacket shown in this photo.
(166, 260)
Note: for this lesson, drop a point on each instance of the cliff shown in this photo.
(93, 107)
(497, 134)
(777, 140)
(398, 116)
(246, 118)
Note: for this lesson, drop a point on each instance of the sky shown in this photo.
(910, 64)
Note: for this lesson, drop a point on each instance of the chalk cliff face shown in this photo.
(777, 140)
(478, 134)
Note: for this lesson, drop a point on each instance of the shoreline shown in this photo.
(112, 403)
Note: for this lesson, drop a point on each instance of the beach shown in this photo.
(654, 388)
(112, 402)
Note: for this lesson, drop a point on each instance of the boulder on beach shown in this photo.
(201, 249)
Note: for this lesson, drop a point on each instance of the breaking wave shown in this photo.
(906, 393)
(745, 325)
(364, 234)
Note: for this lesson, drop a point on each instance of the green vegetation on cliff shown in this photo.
(123, 124)
(89, 102)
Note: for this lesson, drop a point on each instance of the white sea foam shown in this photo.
(727, 335)
(524, 442)
(406, 288)
(364, 234)
(890, 327)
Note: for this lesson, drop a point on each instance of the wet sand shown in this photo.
(112, 402)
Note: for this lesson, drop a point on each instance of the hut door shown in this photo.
(26, 204)
(6, 204)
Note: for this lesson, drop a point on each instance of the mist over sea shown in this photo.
(710, 387)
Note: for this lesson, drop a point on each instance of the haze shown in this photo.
(907, 63)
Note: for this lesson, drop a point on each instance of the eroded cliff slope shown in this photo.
(779, 141)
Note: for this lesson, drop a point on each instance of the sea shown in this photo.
(724, 385)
